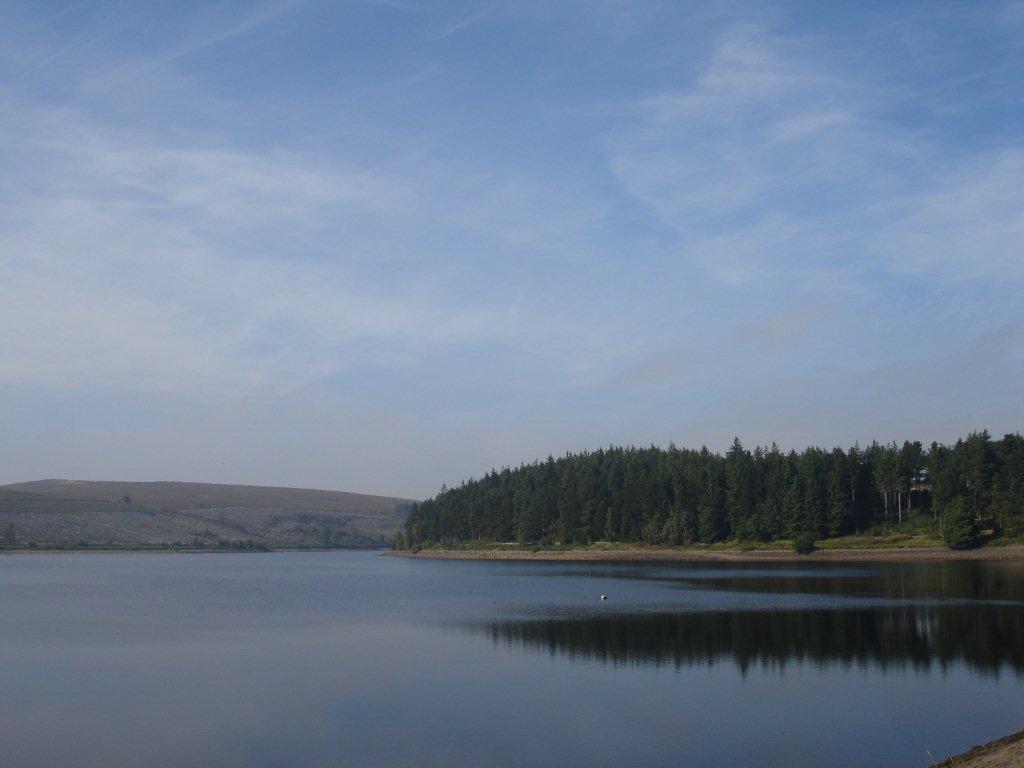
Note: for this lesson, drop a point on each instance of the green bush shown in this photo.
(1008, 510)
(745, 546)
(804, 544)
(959, 529)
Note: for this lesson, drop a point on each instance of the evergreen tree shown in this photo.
(678, 496)
(959, 529)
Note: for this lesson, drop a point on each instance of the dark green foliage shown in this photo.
(803, 544)
(679, 496)
(959, 528)
(1008, 511)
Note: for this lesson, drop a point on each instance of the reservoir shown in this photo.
(357, 659)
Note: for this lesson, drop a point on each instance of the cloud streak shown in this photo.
(319, 232)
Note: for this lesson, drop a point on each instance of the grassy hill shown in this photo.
(73, 514)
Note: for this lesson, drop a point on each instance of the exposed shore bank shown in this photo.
(695, 554)
(1007, 752)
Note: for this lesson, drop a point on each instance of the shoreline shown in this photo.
(624, 554)
(689, 555)
(180, 551)
(1004, 752)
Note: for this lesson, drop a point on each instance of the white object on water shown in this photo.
(604, 596)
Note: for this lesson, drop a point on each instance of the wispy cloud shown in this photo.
(148, 264)
(968, 225)
(762, 134)
(468, 19)
(167, 268)
(218, 24)
(770, 165)
(312, 223)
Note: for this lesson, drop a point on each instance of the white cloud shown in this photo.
(388, 239)
(162, 268)
(465, 20)
(969, 225)
(758, 129)
(771, 167)
(151, 263)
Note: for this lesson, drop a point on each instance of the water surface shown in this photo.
(352, 659)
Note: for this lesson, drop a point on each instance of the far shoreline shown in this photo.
(736, 555)
(626, 554)
(382, 549)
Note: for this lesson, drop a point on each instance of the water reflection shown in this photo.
(975, 581)
(988, 638)
(330, 658)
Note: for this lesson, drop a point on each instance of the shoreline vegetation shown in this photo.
(846, 549)
(962, 496)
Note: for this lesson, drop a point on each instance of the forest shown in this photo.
(969, 491)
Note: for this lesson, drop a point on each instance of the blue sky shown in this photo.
(382, 245)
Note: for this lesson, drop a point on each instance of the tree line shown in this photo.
(684, 496)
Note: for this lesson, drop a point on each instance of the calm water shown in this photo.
(352, 659)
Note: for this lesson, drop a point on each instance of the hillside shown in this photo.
(49, 514)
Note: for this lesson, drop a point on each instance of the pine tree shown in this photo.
(959, 529)
(682, 496)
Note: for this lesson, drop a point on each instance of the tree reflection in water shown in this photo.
(988, 638)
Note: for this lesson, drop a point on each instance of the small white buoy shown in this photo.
(604, 596)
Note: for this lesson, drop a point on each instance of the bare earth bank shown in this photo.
(916, 554)
(1007, 752)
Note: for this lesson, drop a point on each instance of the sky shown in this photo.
(381, 245)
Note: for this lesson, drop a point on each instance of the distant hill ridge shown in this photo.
(83, 514)
(184, 495)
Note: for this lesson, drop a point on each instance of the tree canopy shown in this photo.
(681, 496)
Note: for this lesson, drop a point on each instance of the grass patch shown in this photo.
(887, 541)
